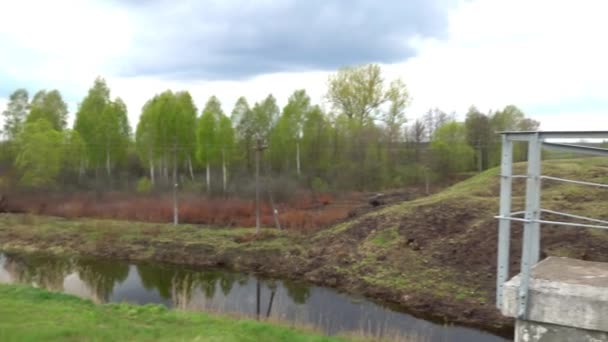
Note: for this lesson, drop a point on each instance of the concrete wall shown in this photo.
(527, 331)
(567, 301)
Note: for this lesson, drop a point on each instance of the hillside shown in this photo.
(443, 247)
(434, 257)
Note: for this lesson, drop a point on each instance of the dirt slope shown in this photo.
(440, 251)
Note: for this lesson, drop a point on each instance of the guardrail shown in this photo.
(532, 215)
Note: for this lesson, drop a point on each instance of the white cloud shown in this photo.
(547, 57)
(539, 55)
(60, 43)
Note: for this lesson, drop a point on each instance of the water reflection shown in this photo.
(38, 271)
(100, 277)
(217, 291)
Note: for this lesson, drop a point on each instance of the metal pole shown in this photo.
(531, 238)
(535, 205)
(257, 186)
(175, 204)
(257, 297)
(504, 226)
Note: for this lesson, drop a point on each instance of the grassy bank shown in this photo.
(434, 256)
(30, 314)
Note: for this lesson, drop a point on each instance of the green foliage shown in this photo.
(166, 131)
(208, 132)
(15, 113)
(144, 185)
(49, 106)
(450, 151)
(40, 154)
(479, 136)
(394, 117)
(287, 133)
(74, 150)
(103, 126)
(357, 92)
(265, 115)
(361, 144)
(242, 119)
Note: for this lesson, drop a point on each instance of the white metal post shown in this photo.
(504, 226)
(536, 147)
(531, 238)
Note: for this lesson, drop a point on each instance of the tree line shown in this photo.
(360, 142)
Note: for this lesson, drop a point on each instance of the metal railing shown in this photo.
(532, 215)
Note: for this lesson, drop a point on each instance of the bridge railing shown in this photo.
(531, 216)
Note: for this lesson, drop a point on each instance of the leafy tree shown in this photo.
(479, 135)
(114, 133)
(74, 152)
(226, 142)
(316, 140)
(450, 150)
(435, 119)
(416, 136)
(357, 92)
(265, 115)
(146, 137)
(394, 118)
(15, 113)
(40, 154)
(510, 118)
(49, 106)
(208, 136)
(243, 120)
(287, 134)
(103, 126)
(186, 129)
(166, 132)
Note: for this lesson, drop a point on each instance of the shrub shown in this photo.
(144, 186)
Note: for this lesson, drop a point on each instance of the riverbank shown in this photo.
(30, 314)
(433, 257)
(280, 254)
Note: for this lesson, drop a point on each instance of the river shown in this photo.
(219, 291)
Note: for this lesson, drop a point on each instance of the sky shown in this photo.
(544, 56)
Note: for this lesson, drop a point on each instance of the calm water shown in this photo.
(218, 291)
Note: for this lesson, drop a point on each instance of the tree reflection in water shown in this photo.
(101, 276)
(299, 293)
(38, 270)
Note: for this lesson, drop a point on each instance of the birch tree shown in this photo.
(49, 106)
(15, 113)
(103, 126)
(207, 136)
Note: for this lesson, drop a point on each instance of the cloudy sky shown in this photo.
(545, 56)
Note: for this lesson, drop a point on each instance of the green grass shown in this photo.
(30, 314)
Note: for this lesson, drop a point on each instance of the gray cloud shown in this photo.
(240, 39)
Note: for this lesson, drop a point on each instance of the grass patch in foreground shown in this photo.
(30, 314)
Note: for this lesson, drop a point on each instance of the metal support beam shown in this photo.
(526, 135)
(504, 226)
(531, 239)
(576, 148)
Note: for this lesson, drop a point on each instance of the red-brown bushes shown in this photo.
(301, 213)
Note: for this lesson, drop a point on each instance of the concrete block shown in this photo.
(566, 292)
(526, 331)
